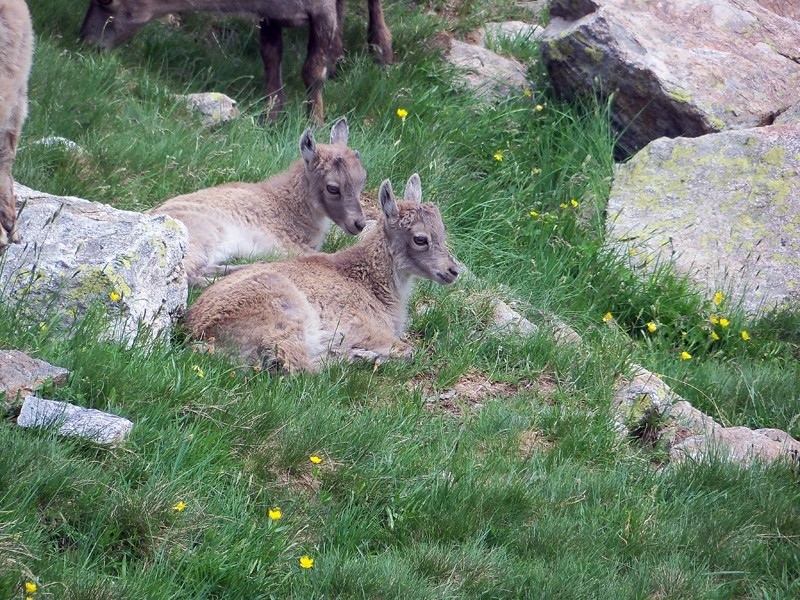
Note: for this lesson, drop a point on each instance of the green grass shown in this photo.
(525, 495)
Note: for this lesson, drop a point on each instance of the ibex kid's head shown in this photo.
(110, 23)
(336, 177)
(416, 234)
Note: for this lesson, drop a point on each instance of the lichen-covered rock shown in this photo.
(644, 406)
(21, 375)
(724, 207)
(640, 399)
(214, 107)
(489, 75)
(76, 253)
(676, 68)
(89, 423)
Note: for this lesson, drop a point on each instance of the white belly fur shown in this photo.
(237, 241)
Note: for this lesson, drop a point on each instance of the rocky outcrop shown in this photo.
(22, 375)
(691, 435)
(640, 400)
(645, 407)
(724, 207)
(677, 68)
(78, 253)
(214, 108)
(71, 420)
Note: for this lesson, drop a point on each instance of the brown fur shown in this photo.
(110, 23)
(351, 304)
(16, 55)
(288, 214)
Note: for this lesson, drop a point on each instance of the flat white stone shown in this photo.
(89, 423)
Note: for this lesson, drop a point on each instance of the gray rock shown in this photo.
(675, 68)
(21, 375)
(508, 321)
(489, 75)
(791, 116)
(737, 444)
(77, 252)
(645, 400)
(89, 423)
(640, 399)
(509, 30)
(784, 8)
(214, 107)
(693, 421)
(724, 207)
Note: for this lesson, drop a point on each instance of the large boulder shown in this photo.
(78, 253)
(724, 207)
(677, 68)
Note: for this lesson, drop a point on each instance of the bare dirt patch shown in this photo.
(473, 390)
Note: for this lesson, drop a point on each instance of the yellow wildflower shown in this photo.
(30, 587)
(498, 156)
(198, 370)
(745, 336)
(573, 202)
(651, 327)
(724, 322)
(527, 93)
(402, 113)
(717, 298)
(539, 107)
(306, 562)
(315, 459)
(714, 335)
(534, 213)
(179, 506)
(685, 355)
(536, 170)
(608, 317)
(114, 296)
(633, 251)
(714, 320)
(563, 206)
(275, 513)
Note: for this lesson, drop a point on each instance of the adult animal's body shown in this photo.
(109, 23)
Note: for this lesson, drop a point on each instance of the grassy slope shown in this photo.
(530, 496)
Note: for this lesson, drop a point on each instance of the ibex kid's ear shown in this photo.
(308, 146)
(388, 203)
(413, 192)
(340, 132)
